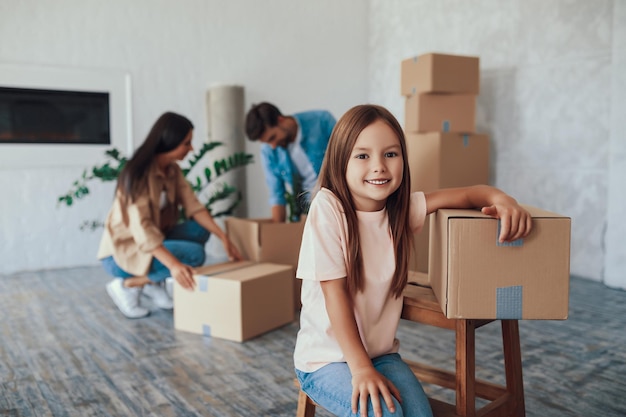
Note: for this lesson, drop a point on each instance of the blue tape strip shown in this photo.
(445, 126)
(465, 141)
(206, 330)
(509, 303)
(517, 242)
(203, 284)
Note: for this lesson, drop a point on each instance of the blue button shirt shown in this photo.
(315, 128)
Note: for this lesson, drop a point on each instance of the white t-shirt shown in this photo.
(302, 163)
(323, 256)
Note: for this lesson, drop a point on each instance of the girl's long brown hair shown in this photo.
(333, 176)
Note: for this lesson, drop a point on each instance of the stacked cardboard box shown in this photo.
(443, 147)
(472, 274)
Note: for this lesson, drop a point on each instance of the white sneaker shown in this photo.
(159, 296)
(126, 299)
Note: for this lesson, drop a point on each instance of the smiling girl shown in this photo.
(354, 265)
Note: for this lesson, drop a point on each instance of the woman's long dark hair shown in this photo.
(333, 176)
(166, 134)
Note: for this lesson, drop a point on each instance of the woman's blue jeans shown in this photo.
(185, 241)
(331, 388)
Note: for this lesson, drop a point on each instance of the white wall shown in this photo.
(552, 100)
(300, 55)
(552, 79)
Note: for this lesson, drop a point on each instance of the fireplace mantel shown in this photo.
(114, 82)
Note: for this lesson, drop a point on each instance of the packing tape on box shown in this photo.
(516, 242)
(465, 141)
(509, 303)
(445, 126)
(203, 283)
(206, 330)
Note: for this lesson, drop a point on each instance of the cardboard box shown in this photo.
(476, 277)
(418, 259)
(440, 113)
(236, 300)
(262, 240)
(418, 278)
(443, 160)
(440, 73)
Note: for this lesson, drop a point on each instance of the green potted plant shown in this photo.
(204, 184)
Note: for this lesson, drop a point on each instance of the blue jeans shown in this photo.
(185, 241)
(331, 388)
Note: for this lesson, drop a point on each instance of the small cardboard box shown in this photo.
(262, 240)
(440, 73)
(443, 160)
(236, 300)
(440, 112)
(476, 277)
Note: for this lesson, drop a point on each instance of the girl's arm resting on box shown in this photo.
(179, 271)
(515, 221)
(366, 380)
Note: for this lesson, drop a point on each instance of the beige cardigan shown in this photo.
(131, 233)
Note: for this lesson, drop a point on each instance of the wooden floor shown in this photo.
(66, 351)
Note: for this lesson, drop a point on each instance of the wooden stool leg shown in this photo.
(465, 368)
(513, 366)
(306, 407)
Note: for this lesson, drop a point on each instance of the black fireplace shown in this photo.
(54, 116)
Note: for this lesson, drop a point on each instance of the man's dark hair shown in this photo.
(259, 117)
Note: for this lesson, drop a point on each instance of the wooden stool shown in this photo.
(420, 305)
(306, 406)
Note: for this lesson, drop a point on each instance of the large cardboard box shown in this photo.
(236, 300)
(443, 160)
(476, 277)
(440, 73)
(263, 240)
(440, 112)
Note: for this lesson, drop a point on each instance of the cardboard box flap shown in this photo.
(219, 268)
(469, 213)
(260, 270)
(244, 236)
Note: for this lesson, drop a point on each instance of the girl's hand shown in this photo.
(368, 382)
(515, 221)
(183, 274)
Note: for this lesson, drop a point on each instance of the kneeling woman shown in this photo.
(143, 242)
